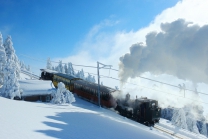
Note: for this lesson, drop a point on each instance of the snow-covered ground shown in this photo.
(80, 120)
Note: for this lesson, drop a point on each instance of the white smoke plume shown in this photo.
(180, 49)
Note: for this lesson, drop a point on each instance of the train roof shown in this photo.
(146, 100)
(70, 77)
(48, 70)
(95, 86)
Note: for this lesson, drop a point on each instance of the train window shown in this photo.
(153, 104)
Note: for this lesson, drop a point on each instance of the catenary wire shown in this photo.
(116, 70)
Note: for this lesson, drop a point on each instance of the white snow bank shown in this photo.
(20, 119)
(35, 87)
(168, 125)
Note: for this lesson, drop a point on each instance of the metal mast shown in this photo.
(103, 66)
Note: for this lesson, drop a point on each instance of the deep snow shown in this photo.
(80, 120)
(20, 119)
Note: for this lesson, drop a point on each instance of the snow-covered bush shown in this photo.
(62, 95)
(189, 117)
(179, 118)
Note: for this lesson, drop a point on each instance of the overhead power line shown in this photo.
(115, 70)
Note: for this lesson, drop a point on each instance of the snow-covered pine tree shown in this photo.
(71, 69)
(93, 79)
(11, 71)
(11, 85)
(59, 67)
(88, 78)
(78, 74)
(82, 76)
(28, 68)
(65, 68)
(179, 118)
(49, 65)
(62, 95)
(2, 59)
(69, 97)
(191, 123)
(204, 129)
(10, 53)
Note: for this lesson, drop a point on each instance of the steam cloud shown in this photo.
(180, 49)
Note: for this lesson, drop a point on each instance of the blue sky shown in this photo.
(42, 28)
(84, 32)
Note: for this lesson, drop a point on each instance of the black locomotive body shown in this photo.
(142, 110)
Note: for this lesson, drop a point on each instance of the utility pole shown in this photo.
(103, 66)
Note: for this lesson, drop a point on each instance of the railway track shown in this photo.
(172, 133)
(30, 74)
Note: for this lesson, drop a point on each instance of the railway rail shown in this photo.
(30, 74)
(172, 133)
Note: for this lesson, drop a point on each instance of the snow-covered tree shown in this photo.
(78, 74)
(60, 67)
(11, 72)
(28, 68)
(63, 70)
(62, 95)
(191, 123)
(81, 74)
(179, 118)
(66, 68)
(2, 59)
(53, 68)
(204, 129)
(49, 65)
(11, 56)
(90, 78)
(10, 88)
(70, 69)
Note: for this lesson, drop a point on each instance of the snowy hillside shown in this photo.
(21, 119)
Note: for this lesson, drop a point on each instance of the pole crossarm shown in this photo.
(104, 66)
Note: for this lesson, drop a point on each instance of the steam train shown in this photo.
(143, 110)
(82, 88)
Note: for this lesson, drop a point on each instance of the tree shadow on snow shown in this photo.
(91, 123)
(82, 126)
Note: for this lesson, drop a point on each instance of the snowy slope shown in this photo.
(81, 120)
(20, 119)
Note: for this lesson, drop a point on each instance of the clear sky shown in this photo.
(42, 28)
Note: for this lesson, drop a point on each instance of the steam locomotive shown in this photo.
(143, 110)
